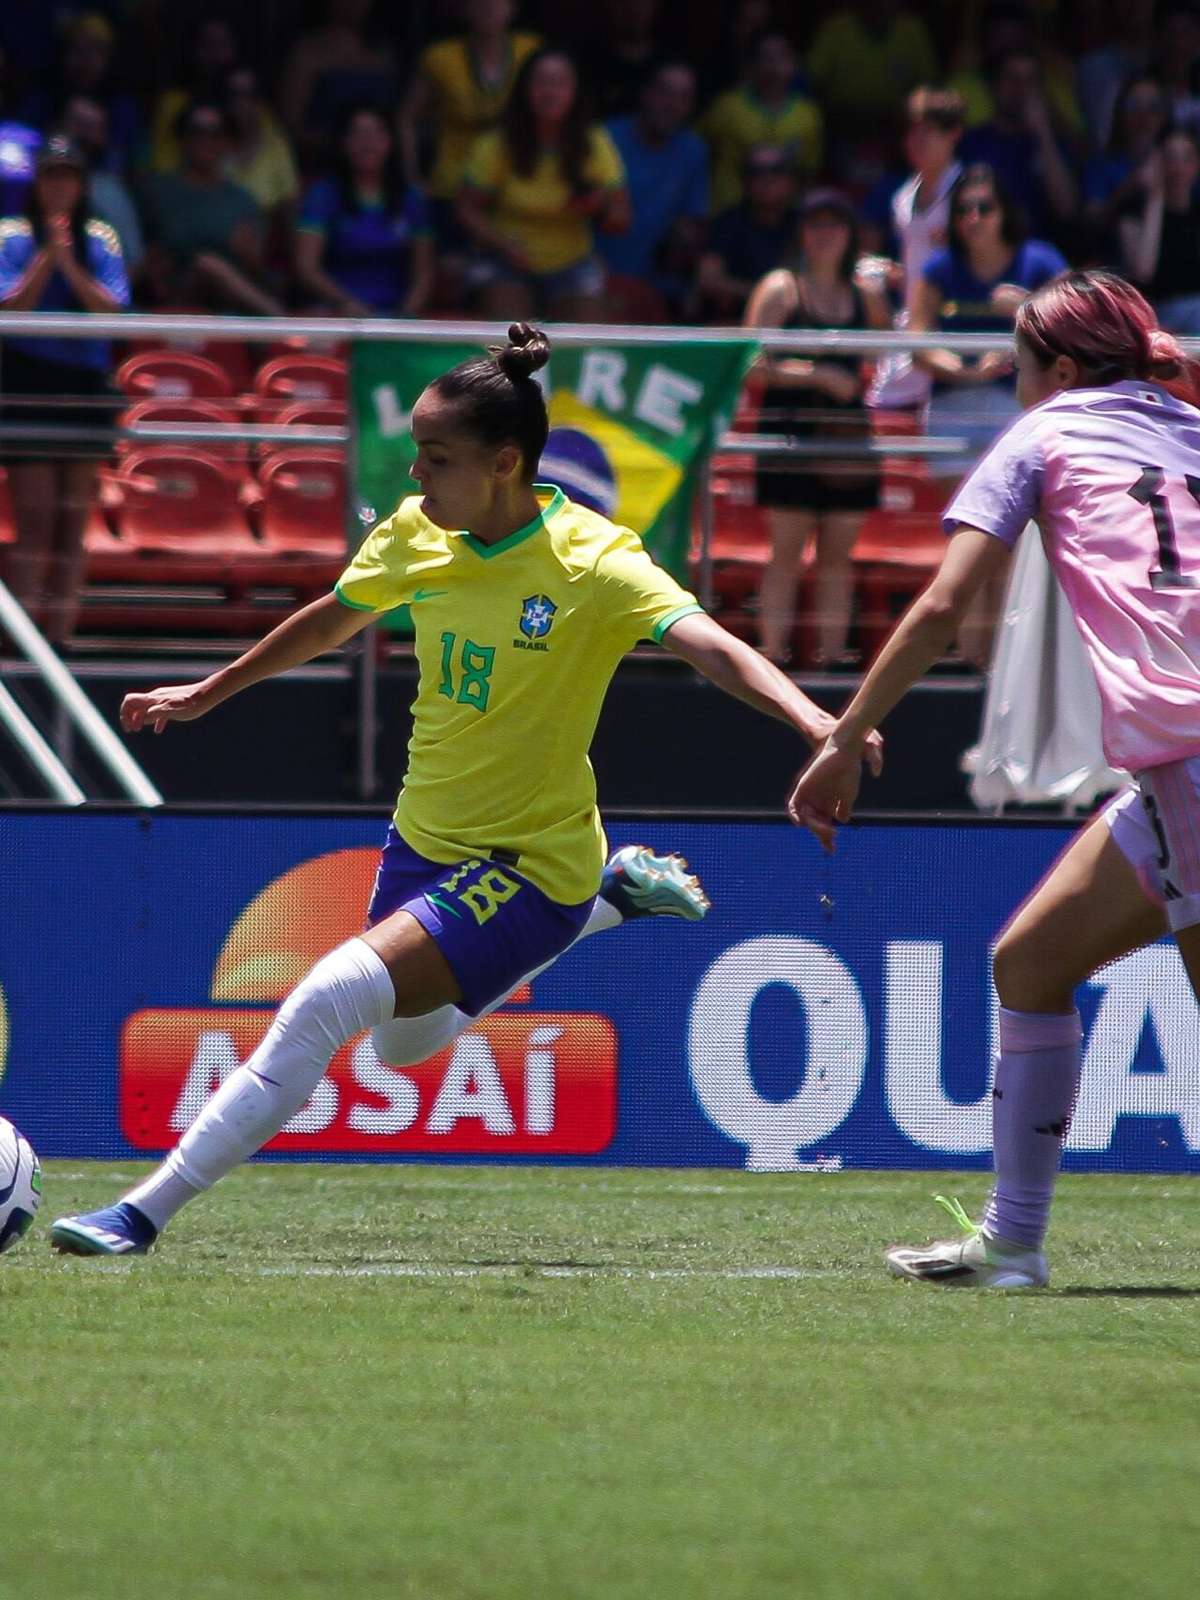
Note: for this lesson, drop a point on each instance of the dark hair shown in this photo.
(995, 65)
(944, 108)
(845, 214)
(80, 217)
(498, 401)
(1116, 130)
(189, 110)
(518, 128)
(395, 185)
(1013, 228)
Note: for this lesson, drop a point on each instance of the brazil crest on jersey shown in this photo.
(517, 643)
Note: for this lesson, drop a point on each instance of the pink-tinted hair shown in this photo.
(1109, 329)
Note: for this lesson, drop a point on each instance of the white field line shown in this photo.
(406, 1269)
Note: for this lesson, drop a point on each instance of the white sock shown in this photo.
(403, 1041)
(348, 990)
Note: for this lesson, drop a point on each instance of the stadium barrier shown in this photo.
(596, 362)
(829, 1013)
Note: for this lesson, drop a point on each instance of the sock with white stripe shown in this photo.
(348, 990)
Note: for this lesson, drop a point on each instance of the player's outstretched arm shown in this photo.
(309, 632)
(826, 790)
(733, 666)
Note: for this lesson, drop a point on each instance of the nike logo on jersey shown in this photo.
(427, 594)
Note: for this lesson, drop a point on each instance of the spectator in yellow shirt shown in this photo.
(766, 110)
(211, 51)
(260, 157)
(866, 58)
(460, 88)
(534, 191)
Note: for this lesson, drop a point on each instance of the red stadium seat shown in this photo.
(179, 512)
(314, 414)
(898, 547)
(290, 378)
(173, 374)
(633, 300)
(303, 509)
(231, 355)
(207, 412)
(307, 414)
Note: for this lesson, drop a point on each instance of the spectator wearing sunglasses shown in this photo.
(975, 285)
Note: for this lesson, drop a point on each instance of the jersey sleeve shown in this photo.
(604, 165)
(485, 164)
(318, 207)
(16, 252)
(107, 262)
(1002, 493)
(640, 599)
(378, 578)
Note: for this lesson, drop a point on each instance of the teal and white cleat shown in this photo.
(641, 884)
(119, 1230)
(979, 1260)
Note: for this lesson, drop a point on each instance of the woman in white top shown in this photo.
(921, 222)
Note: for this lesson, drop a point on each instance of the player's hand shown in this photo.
(825, 792)
(58, 234)
(837, 383)
(183, 703)
(991, 365)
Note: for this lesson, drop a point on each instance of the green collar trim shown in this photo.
(557, 501)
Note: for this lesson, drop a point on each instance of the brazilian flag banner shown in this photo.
(629, 426)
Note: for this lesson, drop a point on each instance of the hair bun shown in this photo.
(527, 349)
(1164, 358)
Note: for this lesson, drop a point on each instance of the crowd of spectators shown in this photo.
(633, 164)
(830, 166)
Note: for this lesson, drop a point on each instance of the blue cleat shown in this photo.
(119, 1230)
(640, 884)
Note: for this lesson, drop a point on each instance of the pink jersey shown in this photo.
(1112, 478)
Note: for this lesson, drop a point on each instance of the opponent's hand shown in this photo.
(825, 792)
(182, 703)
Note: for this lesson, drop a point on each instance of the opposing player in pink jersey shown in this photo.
(1106, 460)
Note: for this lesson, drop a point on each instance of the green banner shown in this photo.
(629, 426)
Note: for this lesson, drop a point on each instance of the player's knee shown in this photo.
(1024, 980)
(404, 1041)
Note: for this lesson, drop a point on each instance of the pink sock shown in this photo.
(1037, 1079)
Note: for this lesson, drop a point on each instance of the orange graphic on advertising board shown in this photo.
(515, 1083)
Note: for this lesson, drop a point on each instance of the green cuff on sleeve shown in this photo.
(671, 618)
(346, 601)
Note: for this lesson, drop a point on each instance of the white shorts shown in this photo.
(1156, 827)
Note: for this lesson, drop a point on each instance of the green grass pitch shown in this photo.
(459, 1382)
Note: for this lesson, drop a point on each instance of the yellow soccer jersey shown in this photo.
(516, 643)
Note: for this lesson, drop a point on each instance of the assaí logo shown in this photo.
(519, 1082)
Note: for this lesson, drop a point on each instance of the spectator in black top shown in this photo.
(1160, 243)
(1112, 180)
(753, 237)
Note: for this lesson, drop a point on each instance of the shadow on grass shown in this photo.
(1128, 1291)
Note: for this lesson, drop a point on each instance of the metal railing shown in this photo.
(66, 694)
(317, 331)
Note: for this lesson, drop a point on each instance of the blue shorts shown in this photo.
(492, 925)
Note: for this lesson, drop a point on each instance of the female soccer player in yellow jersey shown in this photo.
(494, 858)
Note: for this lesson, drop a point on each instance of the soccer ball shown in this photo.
(20, 1185)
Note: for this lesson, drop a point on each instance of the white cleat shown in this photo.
(980, 1260)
